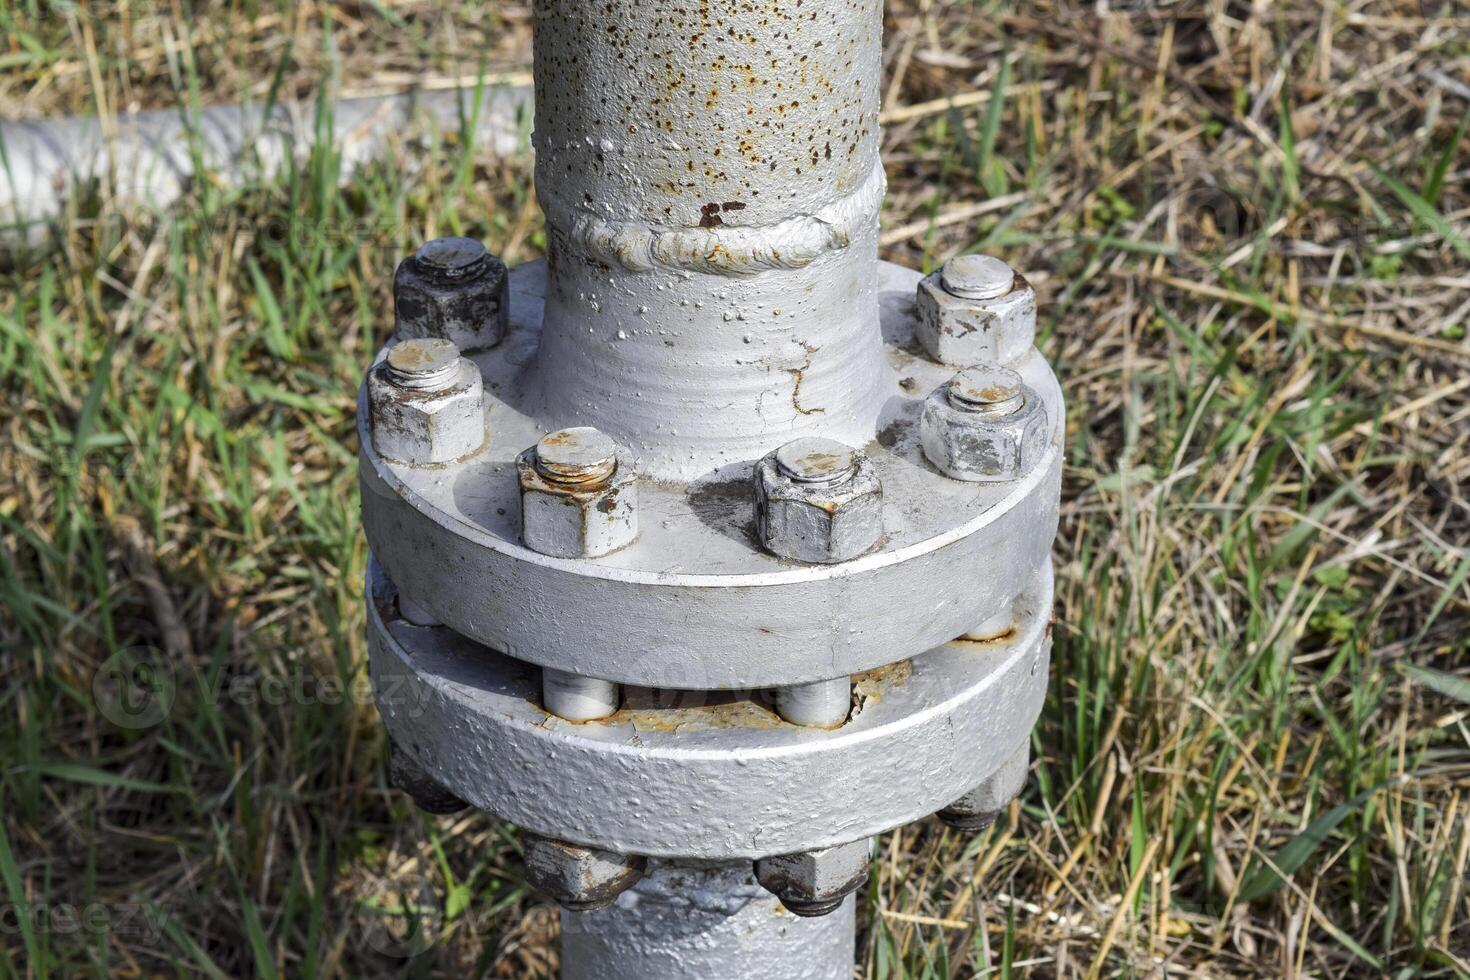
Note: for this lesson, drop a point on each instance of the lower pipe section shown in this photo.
(710, 921)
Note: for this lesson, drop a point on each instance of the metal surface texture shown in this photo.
(723, 547)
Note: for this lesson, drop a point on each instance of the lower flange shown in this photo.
(713, 777)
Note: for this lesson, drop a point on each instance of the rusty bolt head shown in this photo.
(984, 425)
(968, 312)
(577, 456)
(405, 773)
(818, 501)
(987, 389)
(426, 404)
(452, 288)
(815, 882)
(579, 878)
(579, 495)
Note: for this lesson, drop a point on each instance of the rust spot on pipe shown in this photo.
(798, 375)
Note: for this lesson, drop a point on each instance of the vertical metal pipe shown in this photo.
(711, 182)
(705, 922)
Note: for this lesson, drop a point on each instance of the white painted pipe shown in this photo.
(711, 182)
(705, 920)
(148, 159)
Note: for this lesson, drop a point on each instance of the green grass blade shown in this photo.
(72, 772)
(10, 875)
(1450, 685)
(1265, 879)
(1425, 212)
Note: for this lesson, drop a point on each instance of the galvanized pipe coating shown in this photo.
(711, 181)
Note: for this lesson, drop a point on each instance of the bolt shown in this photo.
(581, 879)
(977, 277)
(984, 425)
(578, 698)
(978, 808)
(580, 456)
(818, 501)
(823, 704)
(406, 774)
(989, 390)
(452, 259)
(423, 364)
(975, 309)
(426, 403)
(453, 289)
(814, 883)
(579, 495)
(821, 462)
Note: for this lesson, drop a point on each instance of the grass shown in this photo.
(1248, 226)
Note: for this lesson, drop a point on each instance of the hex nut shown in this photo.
(815, 883)
(978, 808)
(821, 521)
(453, 289)
(958, 330)
(405, 773)
(970, 445)
(420, 426)
(581, 879)
(585, 519)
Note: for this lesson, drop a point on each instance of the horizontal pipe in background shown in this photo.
(148, 159)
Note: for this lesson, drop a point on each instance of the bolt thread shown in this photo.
(423, 380)
(451, 260)
(577, 476)
(998, 409)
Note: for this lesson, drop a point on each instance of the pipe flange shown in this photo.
(695, 602)
(712, 778)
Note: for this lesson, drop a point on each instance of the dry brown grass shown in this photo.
(1248, 223)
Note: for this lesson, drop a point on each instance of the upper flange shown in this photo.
(695, 603)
